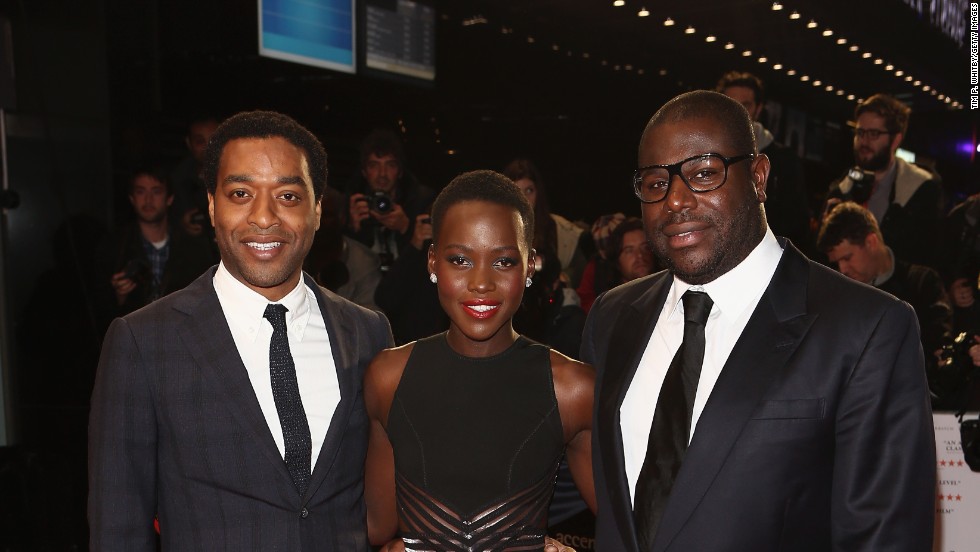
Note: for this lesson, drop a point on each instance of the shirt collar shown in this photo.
(737, 289)
(246, 308)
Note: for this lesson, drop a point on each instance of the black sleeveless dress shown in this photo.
(477, 443)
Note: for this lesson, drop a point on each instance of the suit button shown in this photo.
(304, 513)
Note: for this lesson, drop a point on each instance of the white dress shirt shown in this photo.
(735, 295)
(309, 344)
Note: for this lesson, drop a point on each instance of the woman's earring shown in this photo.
(433, 278)
(527, 283)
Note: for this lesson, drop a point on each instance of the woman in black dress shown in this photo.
(468, 426)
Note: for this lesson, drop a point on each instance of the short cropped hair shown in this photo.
(895, 113)
(707, 104)
(266, 124)
(743, 79)
(153, 171)
(847, 221)
(382, 142)
(489, 186)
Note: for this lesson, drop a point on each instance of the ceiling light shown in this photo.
(908, 78)
(866, 55)
(842, 41)
(817, 83)
(917, 83)
(643, 12)
(585, 55)
(668, 22)
(554, 47)
(828, 32)
(850, 97)
(829, 88)
(942, 97)
(934, 92)
(729, 46)
(763, 59)
(948, 99)
(747, 53)
(811, 25)
(899, 73)
(777, 66)
(689, 30)
(710, 38)
(854, 48)
(794, 15)
(879, 61)
(889, 67)
(663, 72)
(840, 92)
(791, 72)
(925, 88)
(776, 6)
(530, 40)
(619, 3)
(804, 78)
(639, 71)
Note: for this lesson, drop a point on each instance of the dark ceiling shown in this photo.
(568, 83)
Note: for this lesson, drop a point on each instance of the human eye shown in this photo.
(458, 260)
(290, 197)
(239, 194)
(505, 262)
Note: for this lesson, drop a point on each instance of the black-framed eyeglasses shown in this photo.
(701, 173)
(872, 133)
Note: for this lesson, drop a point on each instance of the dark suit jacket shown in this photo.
(176, 430)
(817, 435)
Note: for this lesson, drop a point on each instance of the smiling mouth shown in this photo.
(483, 308)
(268, 246)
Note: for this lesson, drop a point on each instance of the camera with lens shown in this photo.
(953, 373)
(380, 202)
(857, 186)
(136, 270)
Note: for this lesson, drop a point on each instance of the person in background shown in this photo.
(905, 199)
(340, 263)
(787, 202)
(553, 233)
(386, 201)
(190, 208)
(853, 243)
(598, 272)
(150, 258)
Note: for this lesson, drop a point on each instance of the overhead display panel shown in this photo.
(400, 38)
(312, 32)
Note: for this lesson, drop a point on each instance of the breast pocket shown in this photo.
(793, 409)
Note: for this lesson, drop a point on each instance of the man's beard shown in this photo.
(876, 162)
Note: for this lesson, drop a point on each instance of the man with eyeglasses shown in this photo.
(904, 198)
(748, 398)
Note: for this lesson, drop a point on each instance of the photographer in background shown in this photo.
(386, 202)
(149, 258)
(854, 245)
(904, 198)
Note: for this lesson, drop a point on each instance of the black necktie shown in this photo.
(289, 405)
(671, 421)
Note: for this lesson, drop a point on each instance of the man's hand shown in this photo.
(396, 545)
(122, 285)
(359, 211)
(551, 545)
(423, 231)
(395, 219)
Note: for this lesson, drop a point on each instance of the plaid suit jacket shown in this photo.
(176, 431)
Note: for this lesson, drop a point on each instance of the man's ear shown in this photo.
(896, 141)
(760, 176)
(211, 207)
(871, 240)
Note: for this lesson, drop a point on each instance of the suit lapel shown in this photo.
(343, 344)
(635, 325)
(211, 345)
(772, 334)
